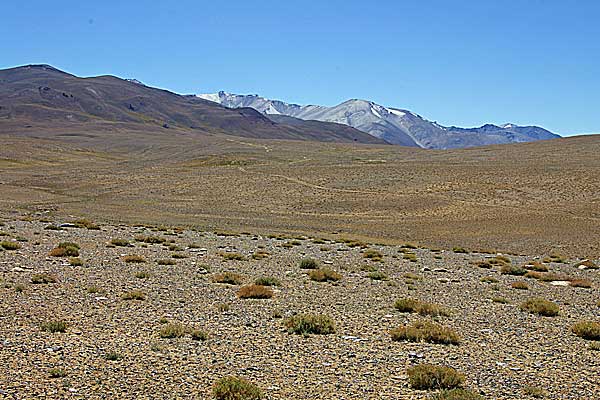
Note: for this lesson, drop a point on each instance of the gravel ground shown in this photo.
(503, 349)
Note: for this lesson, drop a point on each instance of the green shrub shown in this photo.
(377, 276)
(113, 356)
(55, 326)
(234, 388)
(142, 275)
(120, 242)
(541, 307)
(428, 376)
(57, 373)
(589, 330)
(309, 263)
(304, 324)
(426, 331)
(6, 245)
(512, 270)
(267, 281)
(460, 250)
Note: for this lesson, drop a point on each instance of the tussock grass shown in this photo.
(10, 246)
(57, 326)
(540, 307)
(305, 324)
(234, 388)
(589, 330)
(426, 331)
(309, 263)
(428, 376)
(267, 281)
(423, 308)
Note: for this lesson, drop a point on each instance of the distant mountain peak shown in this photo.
(394, 125)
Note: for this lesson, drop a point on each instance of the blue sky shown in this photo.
(457, 62)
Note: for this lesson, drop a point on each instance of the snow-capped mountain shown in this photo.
(394, 125)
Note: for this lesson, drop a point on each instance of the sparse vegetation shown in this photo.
(535, 392)
(519, 285)
(112, 356)
(428, 376)
(142, 275)
(305, 324)
(324, 275)
(460, 250)
(540, 307)
(10, 246)
(57, 373)
(134, 259)
(426, 331)
(172, 330)
(119, 242)
(457, 394)
(166, 262)
(309, 263)
(377, 276)
(255, 292)
(57, 326)
(134, 295)
(509, 269)
(422, 308)
(581, 283)
(232, 256)
(65, 249)
(267, 281)
(75, 261)
(230, 278)
(150, 239)
(234, 388)
(589, 330)
(38, 279)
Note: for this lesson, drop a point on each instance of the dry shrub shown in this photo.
(324, 275)
(230, 278)
(255, 292)
(304, 324)
(428, 376)
(234, 388)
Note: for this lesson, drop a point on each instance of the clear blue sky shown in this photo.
(458, 62)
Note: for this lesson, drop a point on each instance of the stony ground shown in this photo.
(503, 349)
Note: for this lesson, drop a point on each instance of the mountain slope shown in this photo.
(45, 95)
(396, 126)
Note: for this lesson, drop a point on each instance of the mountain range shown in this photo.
(394, 125)
(43, 96)
(52, 101)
